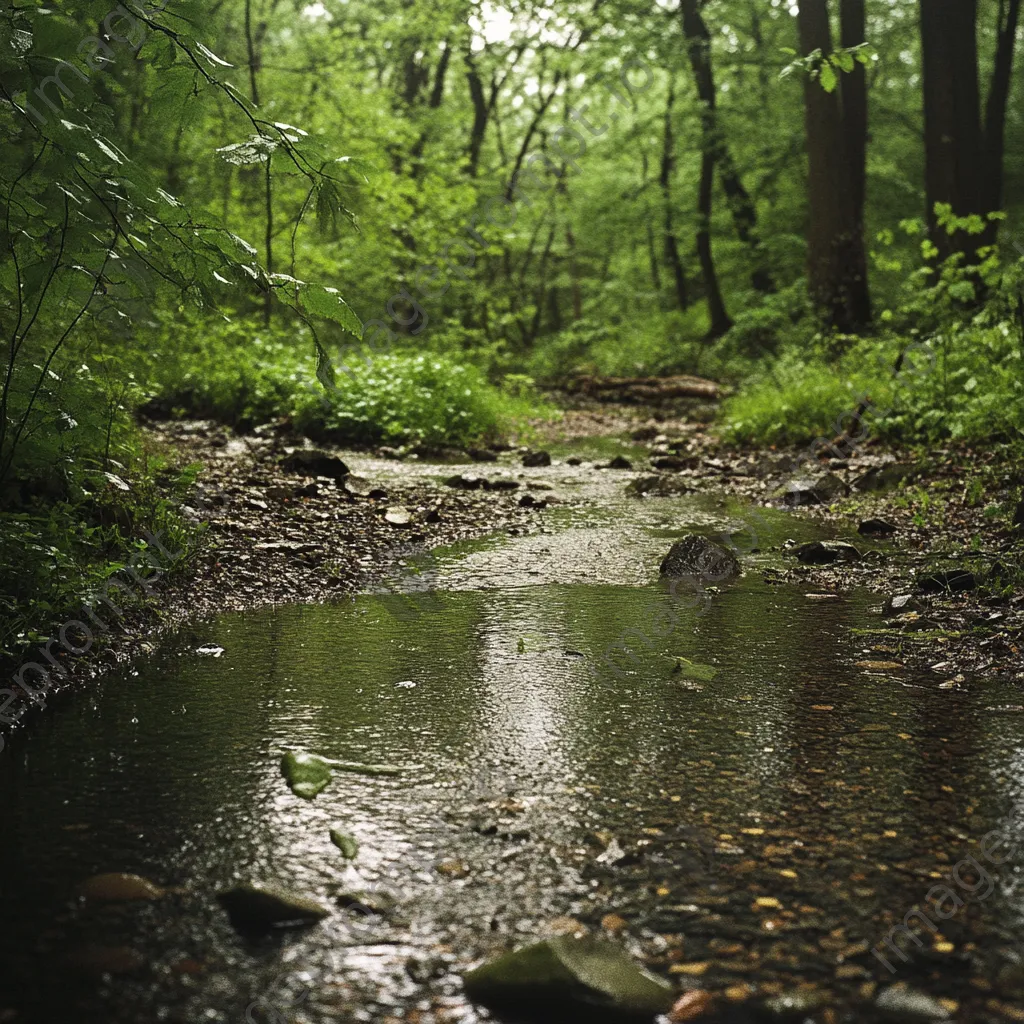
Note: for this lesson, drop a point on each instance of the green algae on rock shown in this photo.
(348, 845)
(307, 774)
(572, 973)
(254, 907)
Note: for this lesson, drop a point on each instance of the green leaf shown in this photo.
(827, 77)
(327, 303)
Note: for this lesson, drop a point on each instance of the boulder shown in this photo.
(258, 907)
(700, 557)
(819, 552)
(313, 462)
(585, 977)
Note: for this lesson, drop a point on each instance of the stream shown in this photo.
(711, 777)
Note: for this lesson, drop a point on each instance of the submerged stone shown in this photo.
(700, 557)
(257, 907)
(581, 975)
(533, 460)
(826, 552)
(307, 774)
(119, 888)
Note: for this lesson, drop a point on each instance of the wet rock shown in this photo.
(794, 1006)
(691, 1006)
(398, 515)
(279, 493)
(645, 433)
(314, 462)
(501, 483)
(826, 552)
(357, 486)
(464, 483)
(806, 491)
(574, 460)
(307, 774)
(658, 486)
(882, 477)
(575, 975)
(946, 581)
(348, 845)
(119, 888)
(876, 528)
(701, 557)
(366, 903)
(529, 501)
(899, 1003)
(259, 907)
(534, 460)
(900, 603)
(451, 867)
(482, 455)
(619, 462)
(310, 490)
(96, 961)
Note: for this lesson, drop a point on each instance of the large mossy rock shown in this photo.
(260, 907)
(700, 557)
(307, 774)
(590, 978)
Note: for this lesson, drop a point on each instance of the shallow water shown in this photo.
(531, 690)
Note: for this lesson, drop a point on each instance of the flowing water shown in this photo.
(575, 740)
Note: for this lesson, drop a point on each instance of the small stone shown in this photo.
(675, 463)
(619, 462)
(661, 486)
(794, 1006)
(529, 501)
(806, 491)
(876, 528)
(307, 774)
(119, 888)
(899, 1003)
(279, 493)
(482, 455)
(882, 477)
(464, 483)
(258, 907)
(501, 483)
(398, 515)
(575, 975)
(357, 486)
(900, 603)
(574, 460)
(691, 1006)
(826, 552)
(613, 924)
(452, 868)
(348, 845)
(314, 462)
(534, 460)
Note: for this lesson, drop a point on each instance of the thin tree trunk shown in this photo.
(268, 187)
(481, 113)
(740, 204)
(720, 321)
(853, 32)
(995, 111)
(671, 243)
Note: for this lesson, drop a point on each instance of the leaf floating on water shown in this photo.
(694, 670)
(307, 774)
(348, 845)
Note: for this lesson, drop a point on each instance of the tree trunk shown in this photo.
(952, 119)
(671, 243)
(268, 186)
(837, 263)
(720, 322)
(481, 113)
(744, 213)
(995, 111)
(853, 32)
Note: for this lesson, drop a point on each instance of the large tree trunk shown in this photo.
(744, 213)
(853, 32)
(837, 264)
(671, 243)
(952, 118)
(717, 314)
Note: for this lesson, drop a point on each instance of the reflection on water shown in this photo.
(764, 766)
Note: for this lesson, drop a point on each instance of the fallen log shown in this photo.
(644, 389)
